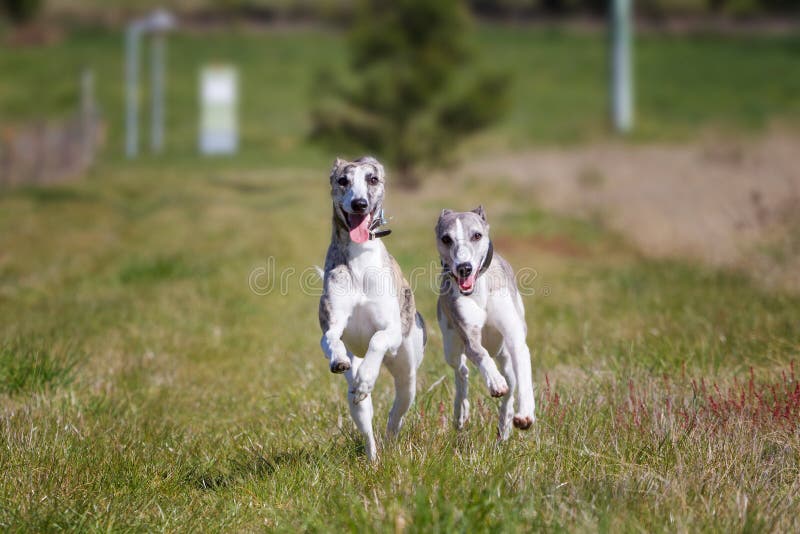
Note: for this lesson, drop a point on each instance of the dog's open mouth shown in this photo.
(466, 284)
(359, 226)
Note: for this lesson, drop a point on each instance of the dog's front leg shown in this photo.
(478, 355)
(382, 341)
(334, 314)
(514, 332)
(470, 318)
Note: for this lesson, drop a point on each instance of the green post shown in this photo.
(621, 66)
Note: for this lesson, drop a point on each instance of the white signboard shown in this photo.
(218, 101)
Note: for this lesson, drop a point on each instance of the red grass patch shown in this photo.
(553, 408)
(764, 404)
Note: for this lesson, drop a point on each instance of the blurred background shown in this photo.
(521, 89)
(164, 194)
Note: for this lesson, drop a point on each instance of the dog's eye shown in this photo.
(343, 181)
(477, 236)
(446, 240)
(372, 179)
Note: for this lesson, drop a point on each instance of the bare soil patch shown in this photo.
(558, 245)
(732, 203)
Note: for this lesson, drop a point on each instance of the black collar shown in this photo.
(376, 223)
(487, 260)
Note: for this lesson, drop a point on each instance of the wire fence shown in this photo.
(49, 151)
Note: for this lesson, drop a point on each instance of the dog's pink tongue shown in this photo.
(359, 227)
(467, 283)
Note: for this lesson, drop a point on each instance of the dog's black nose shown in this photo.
(359, 205)
(464, 269)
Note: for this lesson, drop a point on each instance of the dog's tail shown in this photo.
(421, 324)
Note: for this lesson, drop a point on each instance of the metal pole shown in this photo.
(132, 91)
(87, 115)
(621, 66)
(157, 96)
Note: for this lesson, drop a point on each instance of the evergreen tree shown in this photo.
(409, 93)
(22, 11)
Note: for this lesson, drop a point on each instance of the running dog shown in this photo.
(481, 315)
(367, 311)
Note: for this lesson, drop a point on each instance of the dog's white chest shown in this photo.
(371, 275)
(472, 309)
(372, 296)
(359, 330)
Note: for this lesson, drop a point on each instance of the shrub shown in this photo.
(21, 11)
(410, 93)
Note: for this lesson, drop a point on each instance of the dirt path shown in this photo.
(731, 203)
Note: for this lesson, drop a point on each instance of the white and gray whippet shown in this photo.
(367, 311)
(481, 315)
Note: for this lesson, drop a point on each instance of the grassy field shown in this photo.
(144, 385)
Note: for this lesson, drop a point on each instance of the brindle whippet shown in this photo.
(367, 311)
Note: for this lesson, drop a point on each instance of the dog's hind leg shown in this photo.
(361, 411)
(454, 354)
(404, 371)
(507, 405)
(387, 340)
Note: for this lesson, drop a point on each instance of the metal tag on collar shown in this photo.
(379, 221)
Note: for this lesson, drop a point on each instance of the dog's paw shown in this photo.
(498, 387)
(461, 414)
(523, 422)
(503, 433)
(361, 389)
(340, 366)
(359, 394)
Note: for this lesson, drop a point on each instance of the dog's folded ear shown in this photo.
(442, 215)
(338, 165)
(480, 212)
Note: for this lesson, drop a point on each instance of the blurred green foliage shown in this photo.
(685, 85)
(21, 11)
(648, 8)
(340, 10)
(410, 92)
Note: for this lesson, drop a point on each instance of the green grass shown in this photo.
(25, 367)
(200, 404)
(145, 386)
